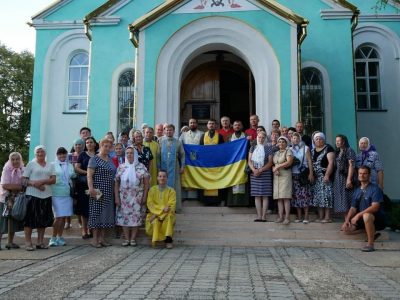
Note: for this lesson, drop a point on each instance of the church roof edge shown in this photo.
(99, 10)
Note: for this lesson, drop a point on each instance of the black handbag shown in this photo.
(304, 171)
(19, 208)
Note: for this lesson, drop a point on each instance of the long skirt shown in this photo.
(302, 196)
(39, 213)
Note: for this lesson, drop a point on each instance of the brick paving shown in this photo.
(188, 272)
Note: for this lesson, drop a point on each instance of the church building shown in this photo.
(112, 65)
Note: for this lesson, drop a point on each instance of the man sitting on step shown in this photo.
(366, 210)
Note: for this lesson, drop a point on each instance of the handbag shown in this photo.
(304, 171)
(248, 170)
(72, 190)
(19, 208)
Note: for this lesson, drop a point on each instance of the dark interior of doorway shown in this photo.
(237, 94)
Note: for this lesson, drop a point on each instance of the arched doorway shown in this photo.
(219, 84)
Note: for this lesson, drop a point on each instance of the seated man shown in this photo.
(160, 220)
(366, 211)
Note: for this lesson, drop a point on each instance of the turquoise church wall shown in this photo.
(110, 48)
(75, 10)
(275, 30)
(329, 43)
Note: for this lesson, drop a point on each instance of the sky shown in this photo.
(14, 14)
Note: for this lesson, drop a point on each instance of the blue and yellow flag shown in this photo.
(215, 166)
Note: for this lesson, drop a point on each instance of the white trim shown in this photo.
(127, 66)
(208, 34)
(105, 21)
(294, 78)
(380, 17)
(68, 24)
(326, 84)
(139, 74)
(336, 14)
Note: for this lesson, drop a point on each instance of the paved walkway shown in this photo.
(81, 272)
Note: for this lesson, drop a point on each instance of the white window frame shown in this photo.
(68, 97)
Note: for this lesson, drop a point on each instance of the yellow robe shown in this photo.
(153, 145)
(164, 224)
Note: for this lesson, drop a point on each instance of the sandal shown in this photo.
(12, 246)
(368, 248)
(98, 245)
(104, 244)
(29, 248)
(86, 236)
(42, 247)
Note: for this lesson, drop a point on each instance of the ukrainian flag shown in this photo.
(215, 166)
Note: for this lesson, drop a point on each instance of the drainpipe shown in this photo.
(302, 34)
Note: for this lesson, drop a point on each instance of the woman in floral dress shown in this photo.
(131, 187)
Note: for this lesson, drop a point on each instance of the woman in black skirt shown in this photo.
(40, 175)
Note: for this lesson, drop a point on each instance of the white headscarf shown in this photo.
(128, 178)
(258, 156)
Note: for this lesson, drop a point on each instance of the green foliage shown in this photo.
(16, 80)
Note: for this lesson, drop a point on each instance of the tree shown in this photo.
(16, 81)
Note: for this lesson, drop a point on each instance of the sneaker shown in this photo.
(169, 245)
(53, 242)
(298, 221)
(67, 226)
(306, 221)
(60, 241)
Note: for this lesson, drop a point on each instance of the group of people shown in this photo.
(136, 181)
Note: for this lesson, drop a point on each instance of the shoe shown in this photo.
(80, 225)
(257, 220)
(263, 220)
(60, 241)
(42, 247)
(279, 220)
(169, 246)
(67, 226)
(52, 243)
(298, 221)
(29, 248)
(368, 248)
(104, 244)
(133, 243)
(125, 243)
(324, 221)
(86, 236)
(306, 221)
(11, 246)
(98, 245)
(286, 222)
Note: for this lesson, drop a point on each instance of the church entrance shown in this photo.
(217, 84)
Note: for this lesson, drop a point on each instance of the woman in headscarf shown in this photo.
(11, 184)
(344, 174)
(100, 179)
(131, 187)
(260, 163)
(40, 175)
(62, 201)
(323, 156)
(302, 195)
(283, 159)
(370, 158)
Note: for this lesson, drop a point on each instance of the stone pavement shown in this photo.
(190, 272)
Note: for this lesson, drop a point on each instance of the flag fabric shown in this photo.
(215, 166)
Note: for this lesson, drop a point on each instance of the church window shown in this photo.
(367, 78)
(312, 100)
(126, 85)
(78, 82)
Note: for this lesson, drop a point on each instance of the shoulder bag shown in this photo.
(19, 208)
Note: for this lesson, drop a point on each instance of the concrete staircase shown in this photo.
(225, 226)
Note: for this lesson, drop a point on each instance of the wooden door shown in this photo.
(200, 95)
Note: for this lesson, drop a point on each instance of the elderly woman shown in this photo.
(370, 158)
(82, 205)
(153, 145)
(11, 184)
(144, 153)
(40, 175)
(323, 156)
(302, 195)
(119, 157)
(131, 187)
(260, 163)
(344, 174)
(275, 133)
(100, 178)
(283, 159)
(62, 201)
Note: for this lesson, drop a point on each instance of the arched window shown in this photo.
(367, 78)
(126, 100)
(312, 100)
(78, 82)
